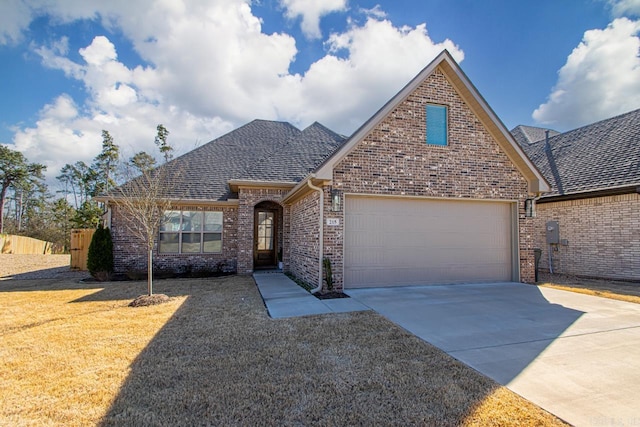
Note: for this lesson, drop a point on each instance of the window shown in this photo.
(266, 231)
(191, 232)
(436, 124)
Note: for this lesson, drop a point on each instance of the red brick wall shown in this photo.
(249, 198)
(394, 159)
(130, 253)
(603, 235)
(304, 238)
(237, 254)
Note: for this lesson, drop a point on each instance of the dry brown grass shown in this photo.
(613, 289)
(77, 355)
(65, 355)
(594, 292)
(17, 264)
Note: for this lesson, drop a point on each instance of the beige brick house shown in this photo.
(431, 189)
(594, 172)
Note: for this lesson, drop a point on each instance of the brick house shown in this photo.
(430, 189)
(594, 172)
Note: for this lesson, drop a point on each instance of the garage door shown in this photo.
(403, 241)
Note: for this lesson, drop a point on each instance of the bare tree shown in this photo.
(144, 199)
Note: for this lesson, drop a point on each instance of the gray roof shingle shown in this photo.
(297, 157)
(599, 156)
(525, 135)
(261, 150)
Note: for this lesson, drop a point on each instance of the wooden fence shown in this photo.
(80, 241)
(11, 244)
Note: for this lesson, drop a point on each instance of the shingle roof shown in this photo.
(530, 134)
(599, 156)
(299, 156)
(261, 150)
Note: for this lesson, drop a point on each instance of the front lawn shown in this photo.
(76, 354)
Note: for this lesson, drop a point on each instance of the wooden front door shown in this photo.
(265, 240)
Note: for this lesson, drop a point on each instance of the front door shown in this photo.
(265, 232)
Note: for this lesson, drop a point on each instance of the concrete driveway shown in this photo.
(577, 356)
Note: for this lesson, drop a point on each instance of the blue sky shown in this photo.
(204, 67)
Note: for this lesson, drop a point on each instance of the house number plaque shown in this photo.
(333, 221)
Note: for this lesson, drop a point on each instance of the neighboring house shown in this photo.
(594, 172)
(431, 189)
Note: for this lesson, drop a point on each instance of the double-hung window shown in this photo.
(189, 232)
(436, 124)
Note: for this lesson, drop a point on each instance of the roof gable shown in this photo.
(603, 155)
(471, 97)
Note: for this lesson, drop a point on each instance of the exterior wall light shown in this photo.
(336, 200)
(530, 208)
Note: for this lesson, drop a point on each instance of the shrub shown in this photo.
(100, 255)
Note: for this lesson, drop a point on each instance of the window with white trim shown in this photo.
(190, 232)
(436, 124)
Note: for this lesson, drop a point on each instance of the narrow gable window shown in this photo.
(436, 124)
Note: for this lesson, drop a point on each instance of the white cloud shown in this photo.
(366, 66)
(625, 7)
(311, 12)
(15, 15)
(59, 136)
(600, 79)
(209, 68)
(374, 12)
(53, 57)
(99, 52)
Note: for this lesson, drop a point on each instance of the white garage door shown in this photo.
(404, 241)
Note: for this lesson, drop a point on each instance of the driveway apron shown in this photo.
(577, 356)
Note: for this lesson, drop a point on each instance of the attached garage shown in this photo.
(399, 241)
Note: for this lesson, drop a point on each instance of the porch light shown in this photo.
(530, 208)
(335, 200)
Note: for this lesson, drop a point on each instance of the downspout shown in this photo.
(107, 214)
(554, 171)
(321, 236)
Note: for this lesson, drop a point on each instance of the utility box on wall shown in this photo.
(553, 232)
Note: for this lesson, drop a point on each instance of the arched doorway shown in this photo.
(267, 235)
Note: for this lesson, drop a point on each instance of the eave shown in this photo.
(590, 194)
(178, 202)
(302, 188)
(236, 184)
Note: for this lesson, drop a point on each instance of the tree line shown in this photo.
(29, 208)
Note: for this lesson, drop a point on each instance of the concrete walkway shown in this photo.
(284, 298)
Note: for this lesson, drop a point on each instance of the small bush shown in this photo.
(100, 255)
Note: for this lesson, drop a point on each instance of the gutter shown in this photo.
(320, 236)
(589, 194)
(234, 184)
(298, 189)
(180, 202)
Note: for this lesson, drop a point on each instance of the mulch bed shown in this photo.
(331, 295)
(146, 300)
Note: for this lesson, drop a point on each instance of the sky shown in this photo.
(71, 68)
